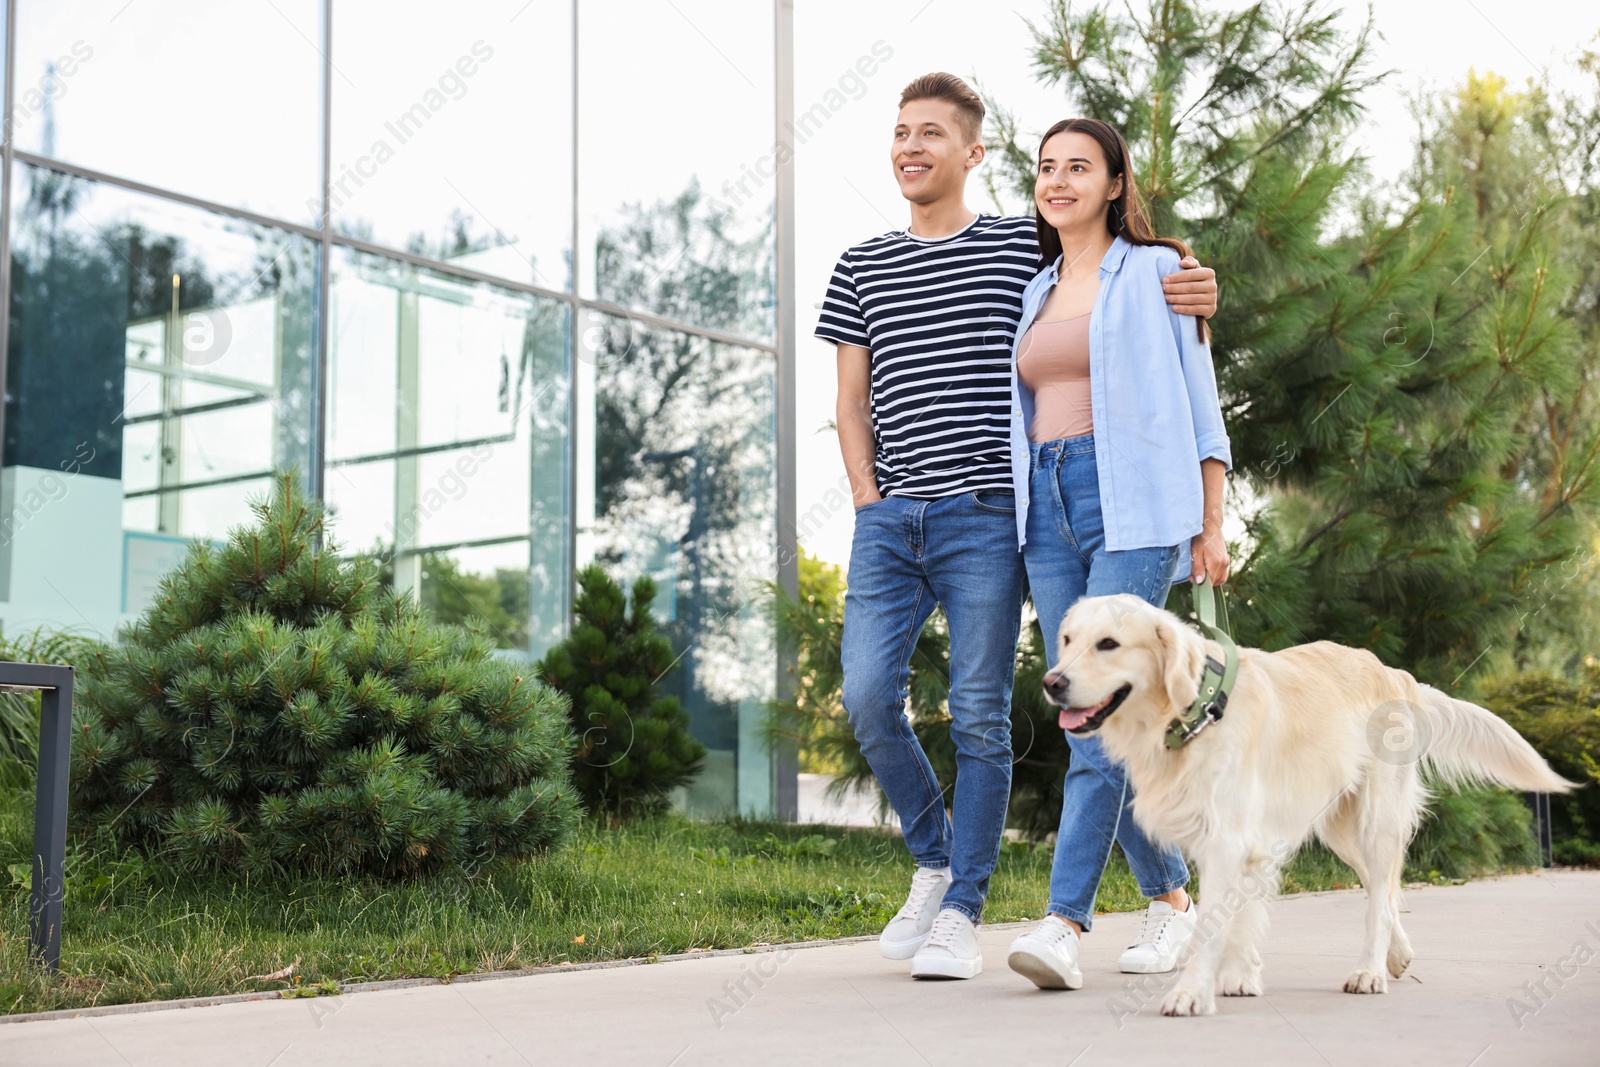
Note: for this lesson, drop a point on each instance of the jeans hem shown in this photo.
(1083, 919)
(934, 865)
(1151, 894)
(976, 918)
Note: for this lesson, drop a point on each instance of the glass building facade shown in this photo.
(476, 271)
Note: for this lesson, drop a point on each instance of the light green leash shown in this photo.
(1216, 680)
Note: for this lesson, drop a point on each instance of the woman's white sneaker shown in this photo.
(1047, 955)
(951, 950)
(909, 928)
(1162, 938)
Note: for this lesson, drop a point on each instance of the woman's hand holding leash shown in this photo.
(1209, 554)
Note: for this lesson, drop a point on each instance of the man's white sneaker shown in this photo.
(909, 928)
(1162, 938)
(951, 950)
(1047, 955)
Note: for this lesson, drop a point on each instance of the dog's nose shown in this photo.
(1055, 683)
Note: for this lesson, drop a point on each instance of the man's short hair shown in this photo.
(942, 86)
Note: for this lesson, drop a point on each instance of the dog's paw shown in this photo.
(1235, 981)
(1365, 981)
(1188, 1002)
(1399, 955)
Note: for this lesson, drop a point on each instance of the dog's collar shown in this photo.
(1216, 679)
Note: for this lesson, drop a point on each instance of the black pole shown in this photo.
(50, 805)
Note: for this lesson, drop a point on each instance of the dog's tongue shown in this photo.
(1072, 718)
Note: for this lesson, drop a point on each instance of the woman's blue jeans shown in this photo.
(908, 556)
(1066, 559)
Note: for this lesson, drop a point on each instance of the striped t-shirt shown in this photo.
(938, 315)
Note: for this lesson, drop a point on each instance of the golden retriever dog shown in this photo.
(1317, 739)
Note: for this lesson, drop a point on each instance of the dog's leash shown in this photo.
(1216, 680)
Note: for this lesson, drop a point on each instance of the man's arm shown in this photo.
(853, 415)
(1192, 290)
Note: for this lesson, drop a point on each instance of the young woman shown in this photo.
(1118, 460)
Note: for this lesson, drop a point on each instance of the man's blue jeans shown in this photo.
(1066, 559)
(959, 553)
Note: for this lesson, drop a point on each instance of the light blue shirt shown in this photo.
(1153, 400)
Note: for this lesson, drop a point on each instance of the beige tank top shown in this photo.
(1053, 362)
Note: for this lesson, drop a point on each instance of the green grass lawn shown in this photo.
(137, 930)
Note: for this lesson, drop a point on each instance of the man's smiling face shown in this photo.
(931, 152)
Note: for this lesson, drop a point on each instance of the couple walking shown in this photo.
(1021, 407)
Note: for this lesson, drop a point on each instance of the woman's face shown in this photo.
(1073, 187)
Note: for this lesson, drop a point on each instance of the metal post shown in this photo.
(7, 148)
(785, 759)
(574, 331)
(1541, 813)
(50, 806)
(1540, 803)
(316, 479)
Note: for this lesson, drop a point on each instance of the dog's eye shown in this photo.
(1107, 644)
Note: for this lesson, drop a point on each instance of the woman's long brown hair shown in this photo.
(1126, 216)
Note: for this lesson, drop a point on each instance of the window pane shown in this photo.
(452, 132)
(489, 584)
(160, 368)
(679, 226)
(682, 470)
(447, 438)
(219, 101)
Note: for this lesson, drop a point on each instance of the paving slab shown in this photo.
(1481, 948)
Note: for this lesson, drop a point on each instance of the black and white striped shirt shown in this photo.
(938, 316)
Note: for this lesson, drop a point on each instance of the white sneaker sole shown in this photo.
(1154, 967)
(1041, 973)
(942, 967)
(901, 950)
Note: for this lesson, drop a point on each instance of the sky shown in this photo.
(845, 189)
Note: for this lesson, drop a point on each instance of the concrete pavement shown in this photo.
(1464, 1005)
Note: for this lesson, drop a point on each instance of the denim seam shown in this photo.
(1083, 920)
(1163, 889)
(971, 916)
(1162, 577)
(1172, 567)
(1066, 518)
(910, 743)
(990, 508)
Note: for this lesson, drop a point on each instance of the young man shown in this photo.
(923, 319)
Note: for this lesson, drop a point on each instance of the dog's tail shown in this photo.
(1474, 745)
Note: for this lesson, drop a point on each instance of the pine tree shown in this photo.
(1554, 141)
(634, 744)
(270, 710)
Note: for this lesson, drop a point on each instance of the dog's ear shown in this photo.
(1182, 657)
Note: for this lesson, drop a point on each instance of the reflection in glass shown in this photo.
(490, 584)
(159, 349)
(452, 132)
(163, 361)
(684, 490)
(161, 91)
(706, 200)
(446, 442)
